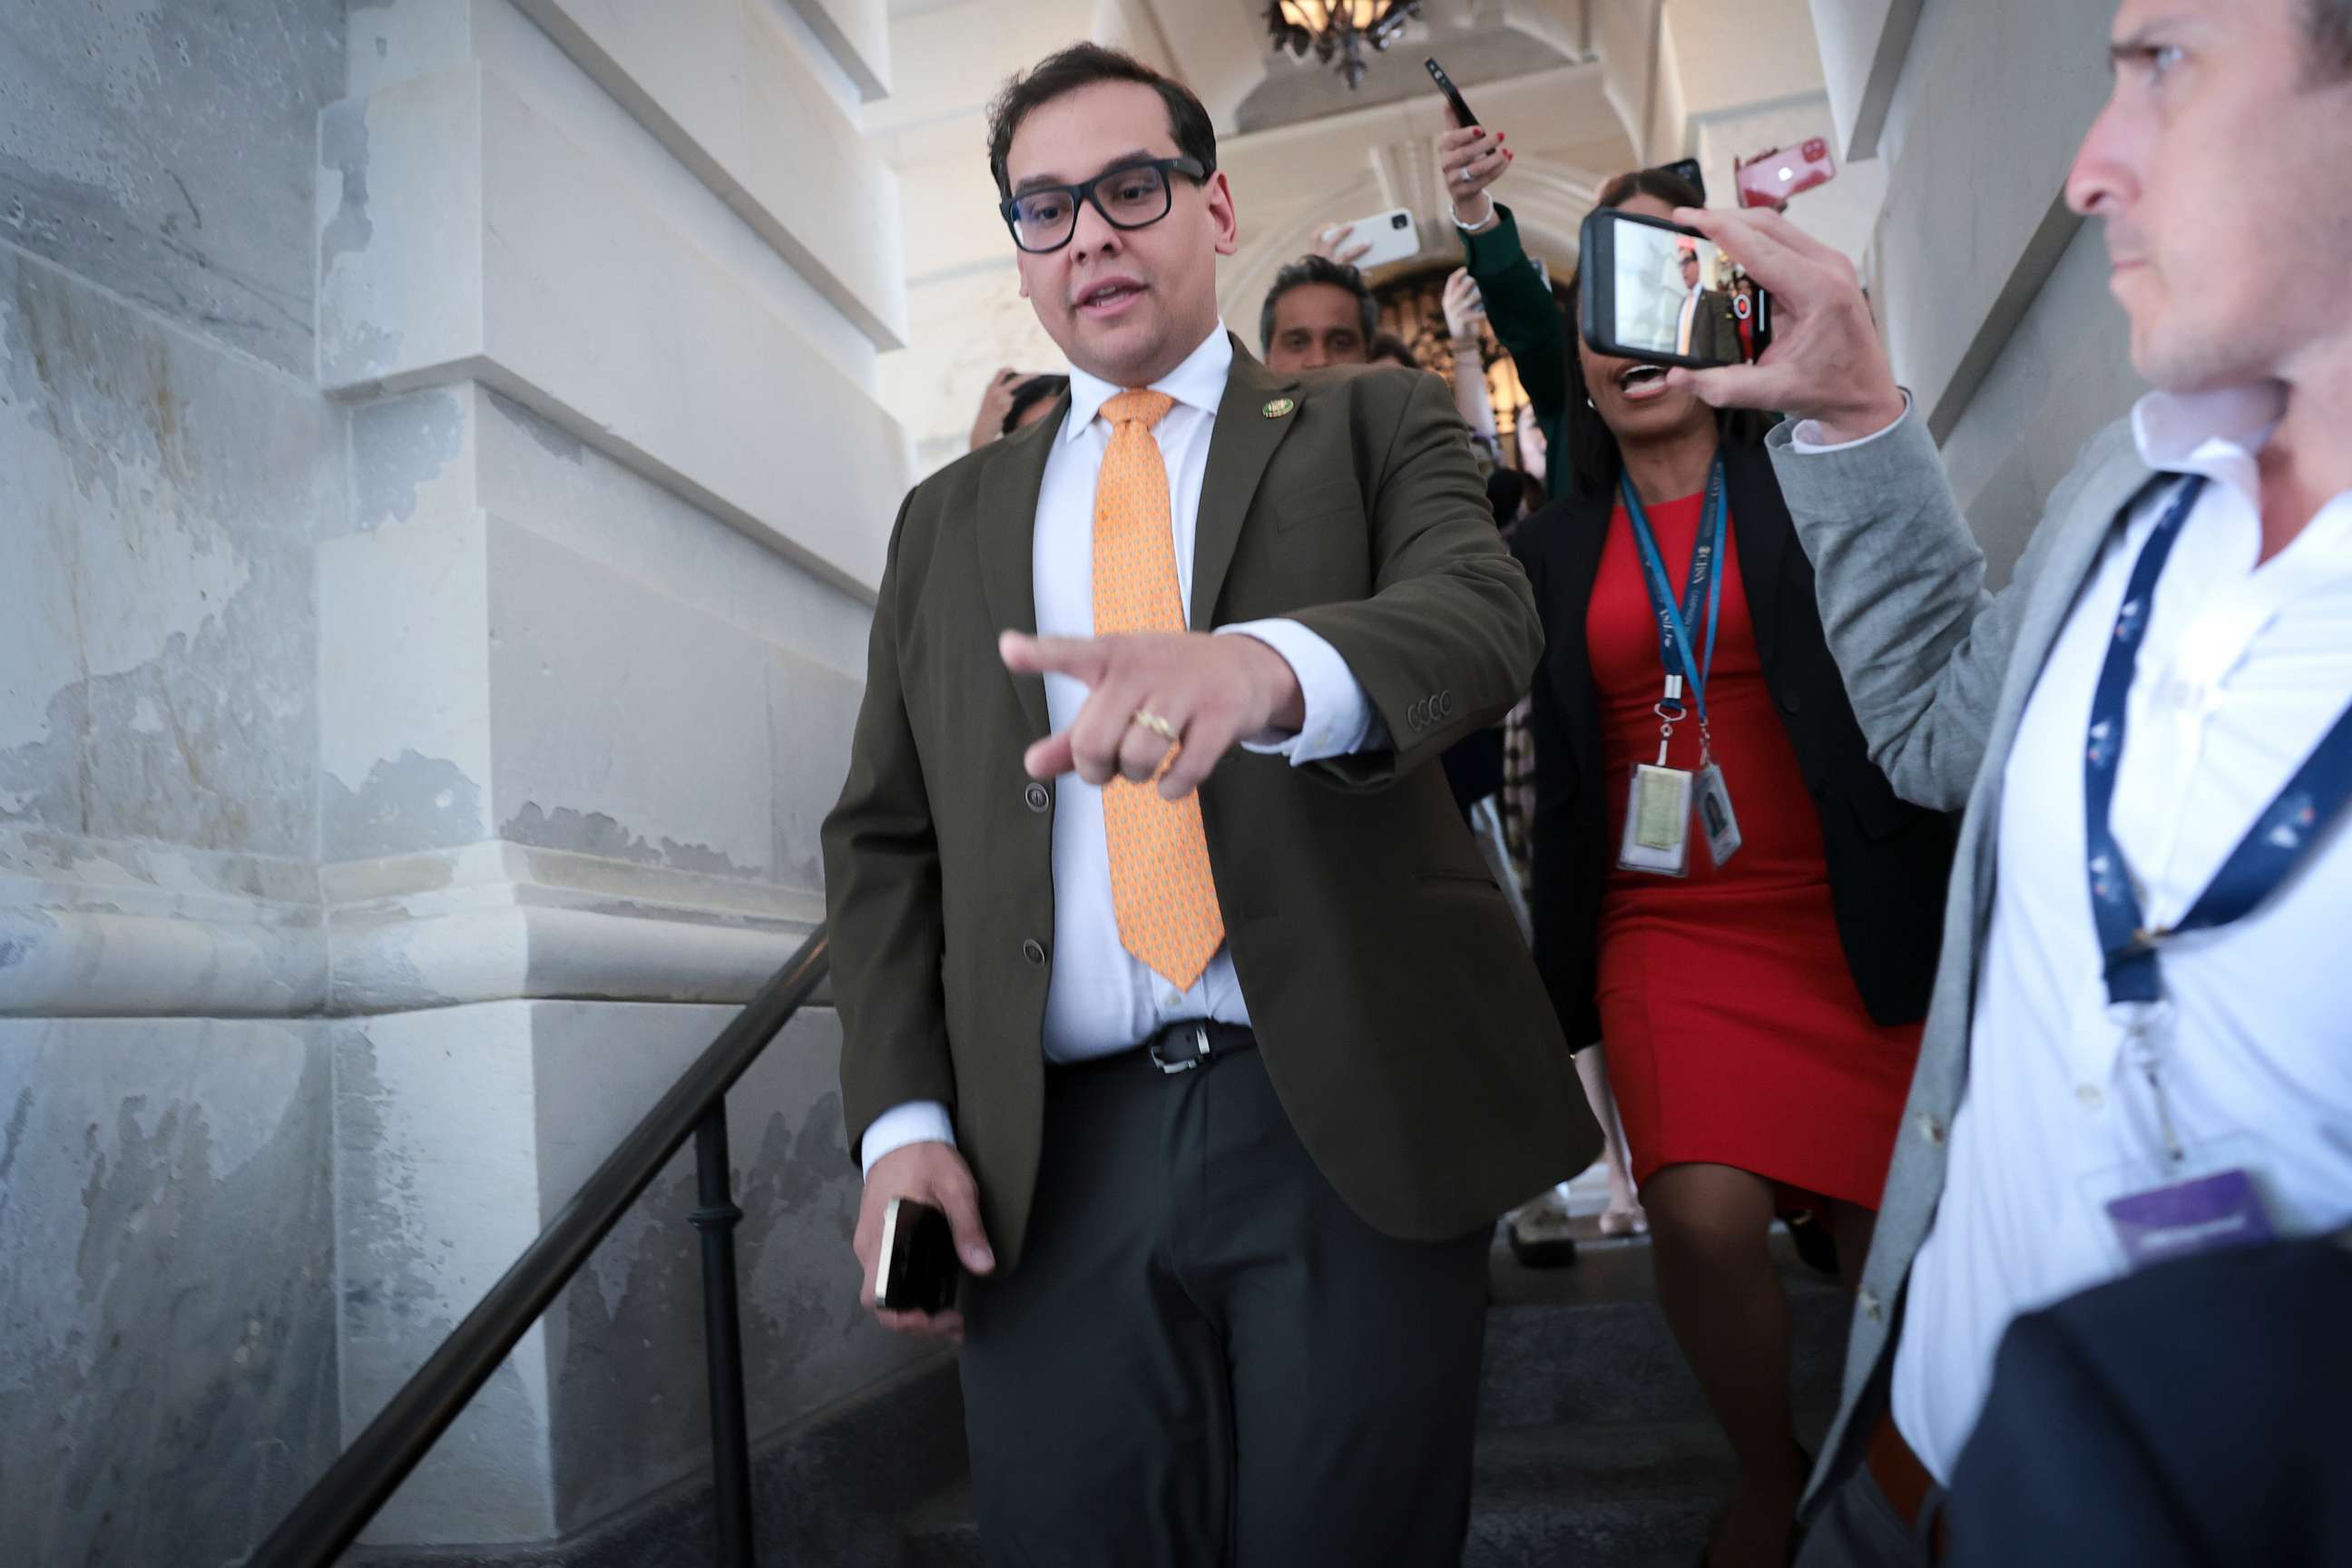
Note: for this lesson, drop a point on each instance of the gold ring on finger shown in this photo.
(1157, 725)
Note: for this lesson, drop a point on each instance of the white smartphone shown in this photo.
(1393, 236)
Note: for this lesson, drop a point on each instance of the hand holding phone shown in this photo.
(926, 1175)
(1379, 239)
(1827, 362)
(1338, 243)
(918, 1271)
(1469, 162)
(1663, 294)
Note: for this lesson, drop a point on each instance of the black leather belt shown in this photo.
(1180, 1046)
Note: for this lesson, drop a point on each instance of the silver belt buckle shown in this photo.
(1199, 1039)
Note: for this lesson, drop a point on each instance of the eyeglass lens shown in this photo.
(1131, 198)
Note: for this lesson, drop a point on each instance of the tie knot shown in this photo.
(1145, 407)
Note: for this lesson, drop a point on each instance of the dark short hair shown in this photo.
(1507, 490)
(1081, 66)
(2328, 25)
(1318, 269)
(1037, 389)
(1586, 461)
(1662, 185)
(1394, 350)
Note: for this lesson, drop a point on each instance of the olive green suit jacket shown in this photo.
(1399, 1015)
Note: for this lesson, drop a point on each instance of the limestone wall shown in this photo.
(442, 488)
(1992, 295)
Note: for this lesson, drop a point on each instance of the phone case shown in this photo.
(918, 1270)
(1774, 175)
(1392, 235)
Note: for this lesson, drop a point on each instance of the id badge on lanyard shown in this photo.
(1661, 798)
(2197, 1196)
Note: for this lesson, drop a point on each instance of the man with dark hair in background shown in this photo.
(1166, 969)
(1318, 313)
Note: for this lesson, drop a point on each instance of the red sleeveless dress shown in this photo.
(1735, 1034)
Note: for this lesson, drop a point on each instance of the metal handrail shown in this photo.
(365, 1475)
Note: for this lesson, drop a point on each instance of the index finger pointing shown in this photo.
(1083, 659)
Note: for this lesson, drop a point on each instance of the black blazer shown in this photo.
(2189, 1415)
(1889, 860)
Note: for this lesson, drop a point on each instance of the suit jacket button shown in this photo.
(1035, 952)
(1791, 701)
(1036, 797)
(1446, 703)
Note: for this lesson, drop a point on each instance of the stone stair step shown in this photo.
(1616, 1497)
(1588, 1344)
(1595, 1446)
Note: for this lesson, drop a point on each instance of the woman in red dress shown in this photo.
(1760, 1015)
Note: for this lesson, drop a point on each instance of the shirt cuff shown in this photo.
(1806, 438)
(1340, 718)
(916, 1122)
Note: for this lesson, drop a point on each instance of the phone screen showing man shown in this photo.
(1675, 297)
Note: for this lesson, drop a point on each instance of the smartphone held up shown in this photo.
(1665, 294)
(1384, 237)
(1771, 177)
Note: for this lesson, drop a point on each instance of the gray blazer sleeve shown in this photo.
(1923, 647)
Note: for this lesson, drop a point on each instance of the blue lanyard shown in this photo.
(1704, 585)
(2286, 828)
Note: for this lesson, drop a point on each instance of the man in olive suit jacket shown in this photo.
(1221, 1076)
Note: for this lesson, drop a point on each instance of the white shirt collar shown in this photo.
(2198, 432)
(1198, 382)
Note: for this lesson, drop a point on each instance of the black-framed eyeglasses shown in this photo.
(1133, 195)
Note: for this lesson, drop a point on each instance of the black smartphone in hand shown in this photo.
(918, 1269)
(1661, 293)
(1452, 94)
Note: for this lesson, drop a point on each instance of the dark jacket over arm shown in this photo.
(885, 917)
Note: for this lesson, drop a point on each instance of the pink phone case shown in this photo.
(1774, 175)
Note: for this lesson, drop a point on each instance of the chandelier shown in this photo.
(1340, 28)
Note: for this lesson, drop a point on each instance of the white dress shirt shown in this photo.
(2243, 668)
(1100, 998)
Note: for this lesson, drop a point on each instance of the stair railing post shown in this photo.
(723, 1341)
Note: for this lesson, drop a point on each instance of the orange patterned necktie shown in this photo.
(1159, 881)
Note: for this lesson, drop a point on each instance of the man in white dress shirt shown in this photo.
(1173, 977)
(2148, 727)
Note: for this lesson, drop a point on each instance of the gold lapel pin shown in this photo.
(1278, 408)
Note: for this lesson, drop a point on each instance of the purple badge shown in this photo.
(2203, 1215)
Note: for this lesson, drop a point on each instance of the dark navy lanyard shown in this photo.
(1703, 587)
(2264, 858)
